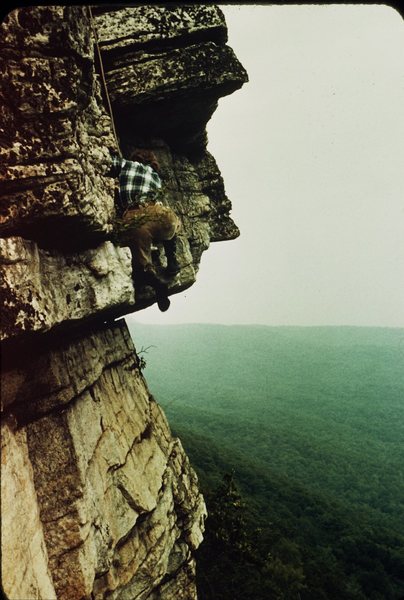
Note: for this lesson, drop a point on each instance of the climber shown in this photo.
(143, 219)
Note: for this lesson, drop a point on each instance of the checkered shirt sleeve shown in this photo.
(136, 180)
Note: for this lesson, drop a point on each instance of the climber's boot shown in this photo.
(159, 282)
(173, 266)
(163, 301)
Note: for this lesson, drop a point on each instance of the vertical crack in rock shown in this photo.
(98, 499)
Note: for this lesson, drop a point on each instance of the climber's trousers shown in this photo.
(152, 223)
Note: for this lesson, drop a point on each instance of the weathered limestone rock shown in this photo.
(98, 499)
(56, 204)
(164, 78)
(55, 132)
(118, 501)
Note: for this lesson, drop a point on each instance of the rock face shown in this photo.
(98, 499)
(113, 505)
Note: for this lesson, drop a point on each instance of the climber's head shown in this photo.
(147, 157)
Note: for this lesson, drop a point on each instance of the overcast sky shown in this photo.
(312, 154)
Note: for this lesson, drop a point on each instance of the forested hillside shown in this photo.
(306, 425)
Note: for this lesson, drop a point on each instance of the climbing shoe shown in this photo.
(163, 302)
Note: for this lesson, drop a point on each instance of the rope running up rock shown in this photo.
(103, 79)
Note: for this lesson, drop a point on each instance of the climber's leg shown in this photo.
(173, 266)
(141, 244)
(164, 225)
(143, 226)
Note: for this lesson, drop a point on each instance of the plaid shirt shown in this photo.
(137, 182)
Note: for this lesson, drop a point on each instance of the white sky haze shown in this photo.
(311, 150)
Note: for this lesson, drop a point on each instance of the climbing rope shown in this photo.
(103, 79)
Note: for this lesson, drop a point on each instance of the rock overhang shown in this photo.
(164, 89)
(165, 69)
(100, 474)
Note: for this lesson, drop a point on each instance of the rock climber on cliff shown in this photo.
(143, 219)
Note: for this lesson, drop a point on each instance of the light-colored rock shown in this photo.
(44, 288)
(24, 559)
(118, 500)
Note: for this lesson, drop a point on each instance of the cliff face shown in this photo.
(98, 498)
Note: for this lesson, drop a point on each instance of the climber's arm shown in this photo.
(116, 166)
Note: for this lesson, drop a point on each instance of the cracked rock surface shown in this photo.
(98, 498)
(95, 474)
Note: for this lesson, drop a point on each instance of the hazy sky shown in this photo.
(312, 154)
